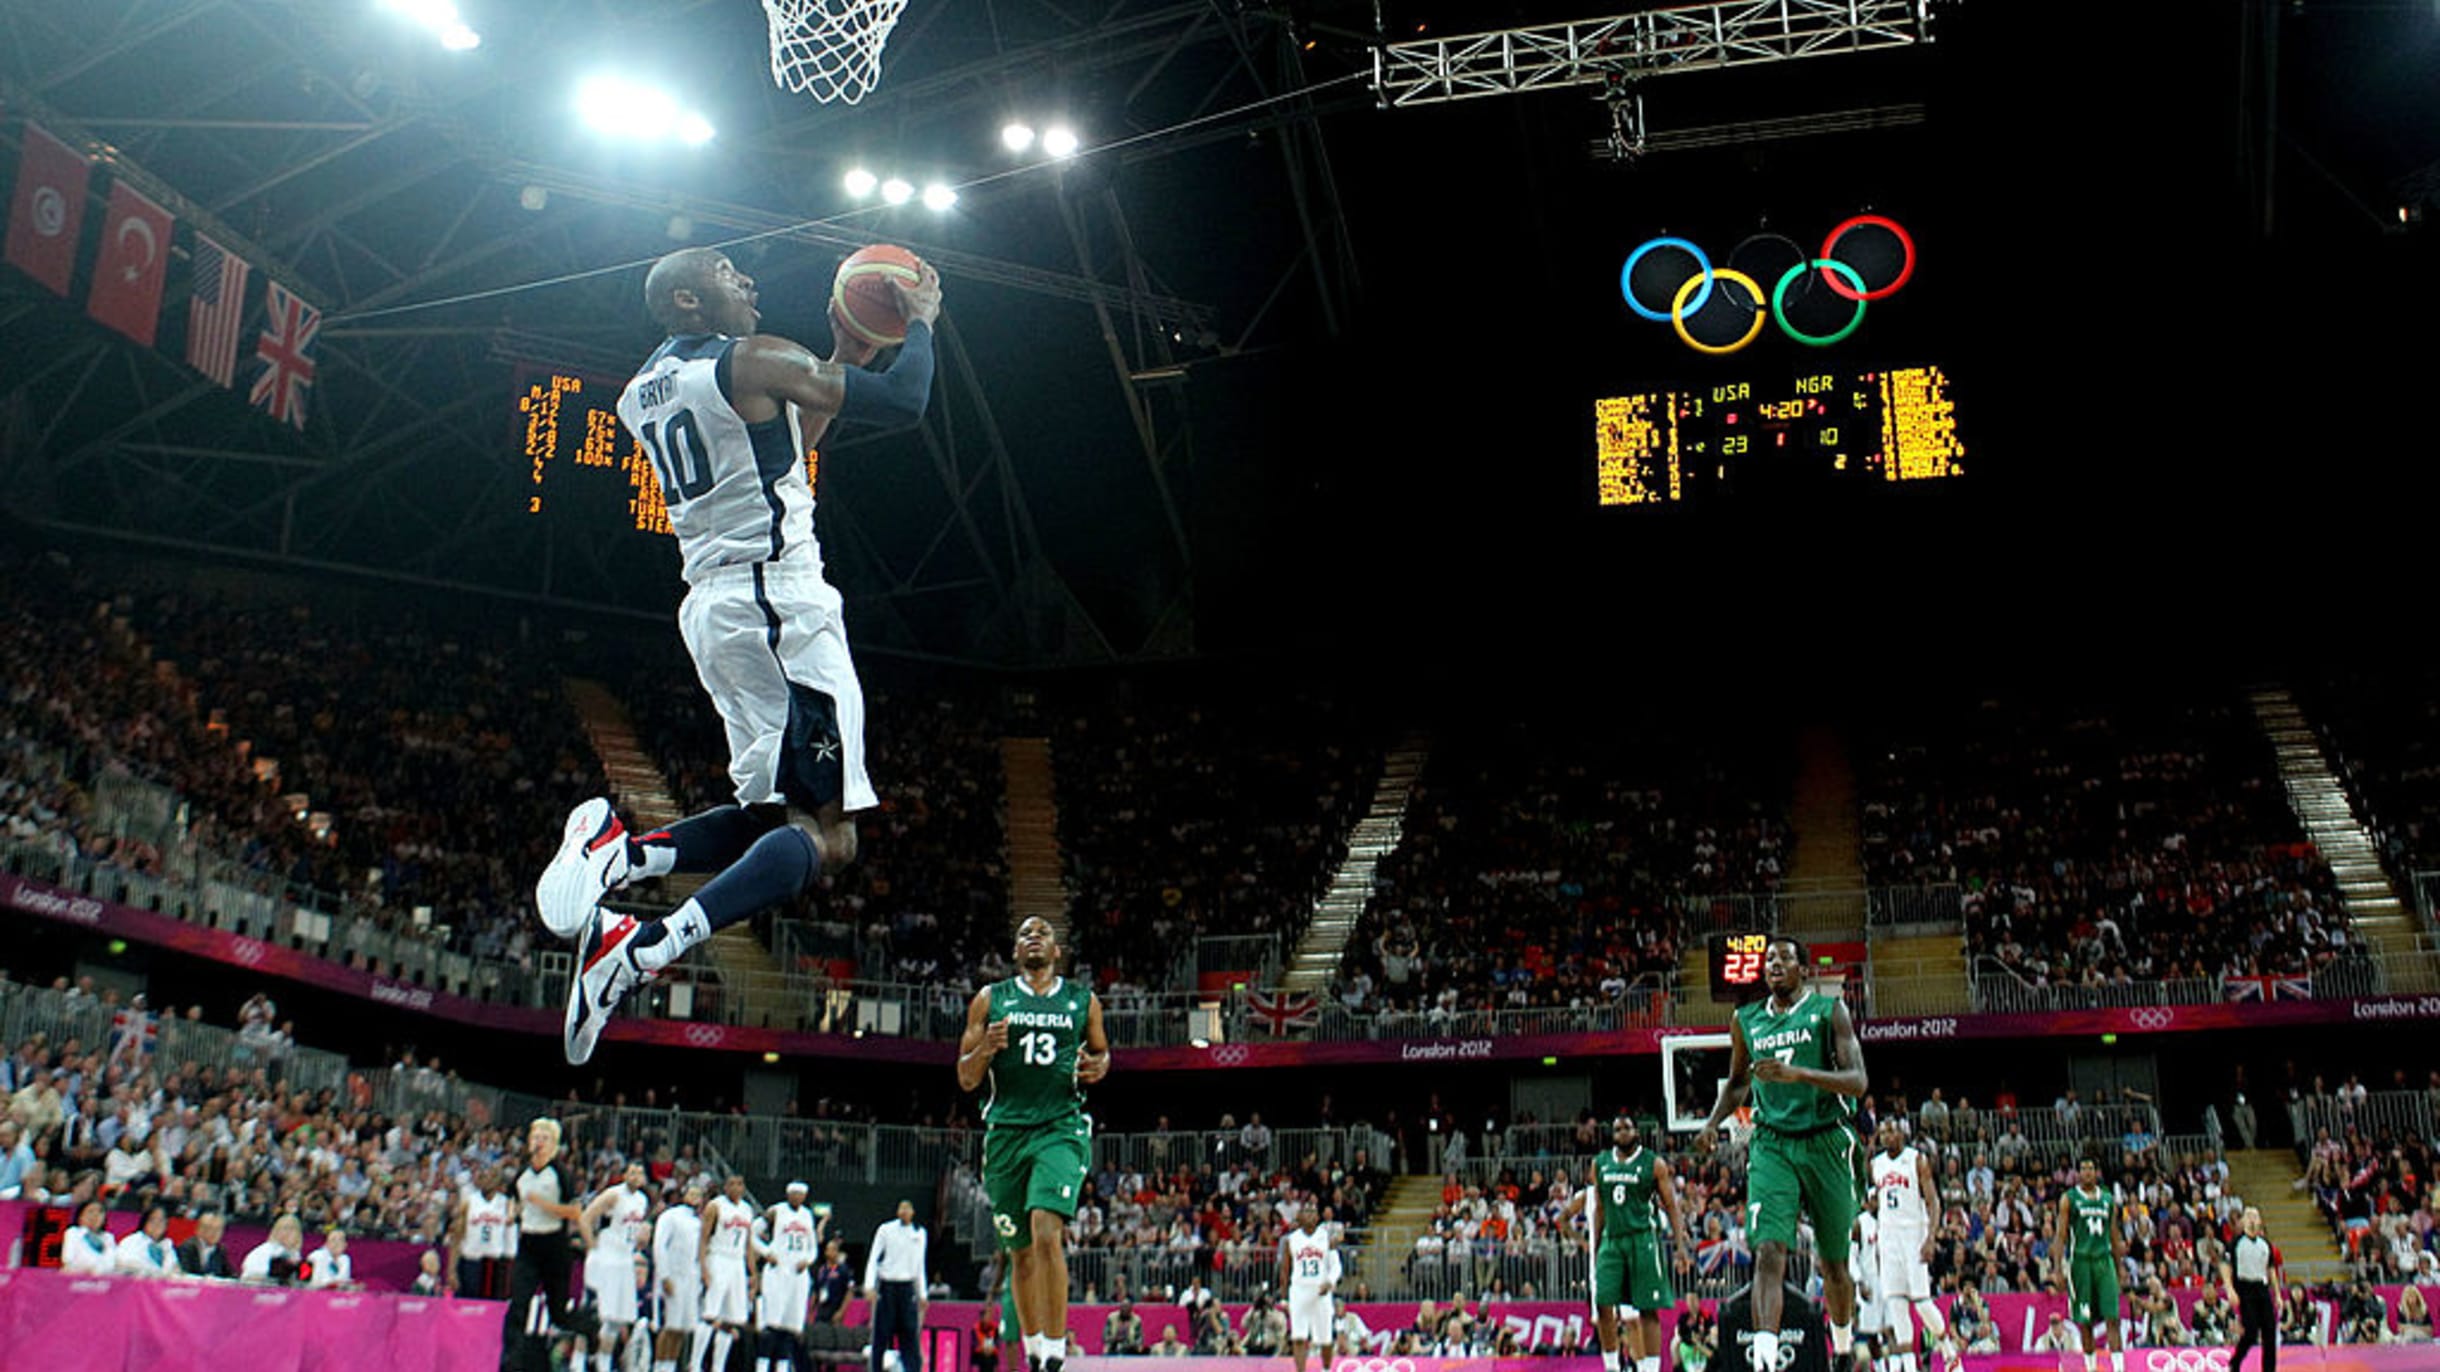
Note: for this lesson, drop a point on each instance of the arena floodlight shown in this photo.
(622, 108)
(1016, 135)
(938, 198)
(459, 38)
(1060, 141)
(896, 191)
(861, 183)
(694, 130)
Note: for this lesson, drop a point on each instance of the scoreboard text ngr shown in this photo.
(1877, 427)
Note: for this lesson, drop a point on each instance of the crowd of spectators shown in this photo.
(1187, 817)
(1547, 868)
(2103, 845)
(927, 897)
(2367, 1163)
(2383, 732)
(380, 768)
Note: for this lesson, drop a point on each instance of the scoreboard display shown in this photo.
(582, 467)
(1736, 966)
(1865, 428)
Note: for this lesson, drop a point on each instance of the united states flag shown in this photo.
(286, 349)
(215, 309)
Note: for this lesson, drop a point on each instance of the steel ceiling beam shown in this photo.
(1690, 38)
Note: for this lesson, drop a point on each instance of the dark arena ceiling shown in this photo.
(1268, 355)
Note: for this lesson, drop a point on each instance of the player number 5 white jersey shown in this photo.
(1903, 1207)
(738, 493)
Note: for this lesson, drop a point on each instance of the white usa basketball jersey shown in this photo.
(615, 1238)
(792, 1230)
(1311, 1264)
(737, 492)
(1902, 1202)
(732, 1227)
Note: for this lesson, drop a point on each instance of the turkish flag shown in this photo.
(48, 209)
(127, 279)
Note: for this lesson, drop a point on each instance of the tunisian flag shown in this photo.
(127, 279)
(48, 209)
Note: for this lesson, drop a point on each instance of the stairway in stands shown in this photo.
(1036, 884)
(2321, 804)
(747, 972)
(1375, 837)
(2266, 1178)
(1405, 1211)
(1822, 896)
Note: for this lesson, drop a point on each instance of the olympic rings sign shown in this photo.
(2186, 1360)
(1695, 291)
(705, 1035)
(1373, 1365)
(2154, 1017)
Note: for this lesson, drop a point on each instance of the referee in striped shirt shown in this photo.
(2254, 1280)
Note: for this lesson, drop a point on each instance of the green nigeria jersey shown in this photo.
(2096, 1218)
(1626, 1190)
(1033, 1079)
(1805, 1036)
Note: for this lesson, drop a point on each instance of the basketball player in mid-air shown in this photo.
(1795, 1054)
(726, 416)
(1039, 1042)
(1905, 1192)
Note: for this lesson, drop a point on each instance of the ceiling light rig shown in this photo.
(441, 17)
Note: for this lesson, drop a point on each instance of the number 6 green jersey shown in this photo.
(1033, 1080)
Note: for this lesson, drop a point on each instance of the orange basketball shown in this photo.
(861, 301)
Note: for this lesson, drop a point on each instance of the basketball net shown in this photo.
(829, 49)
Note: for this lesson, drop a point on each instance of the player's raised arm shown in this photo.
(982, 1041)
(789, 373)
(1093, 1059)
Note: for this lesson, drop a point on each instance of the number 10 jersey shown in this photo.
(738, 493)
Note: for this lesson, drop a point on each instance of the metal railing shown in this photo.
(1931, 905)
(2400, 1114)
(59, 1017)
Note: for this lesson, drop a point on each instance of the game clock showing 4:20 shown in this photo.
(1804, 434)
(1736, 967)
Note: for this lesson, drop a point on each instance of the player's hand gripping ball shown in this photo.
(865, 297)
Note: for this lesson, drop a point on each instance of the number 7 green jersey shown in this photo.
(1033, 1080)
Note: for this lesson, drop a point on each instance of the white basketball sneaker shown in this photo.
(605, 973)
(592, 859)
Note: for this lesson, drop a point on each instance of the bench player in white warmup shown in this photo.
(726, 415)
(728, 1267)
(1903, 1189)
(1309, 1273)
(677, 1274)
(615, 1215)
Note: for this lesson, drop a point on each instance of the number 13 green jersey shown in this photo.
(1033, 1079)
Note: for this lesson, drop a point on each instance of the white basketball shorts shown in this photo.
(771, 649)
(611, 1279)
(1904, 1275)
(682, 1309)
(724, 1295)
(1309, 1316)
(782, 1302)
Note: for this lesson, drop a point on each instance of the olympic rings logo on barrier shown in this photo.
(2153, 1017)
(1373, 1365)
(2186, 1360)
(705, 1035)
(1232, 1055)
(1841, 277)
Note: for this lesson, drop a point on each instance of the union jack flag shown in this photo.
(2268, 988)
(286, 351)
(133, 1032)
(1283, 1012)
